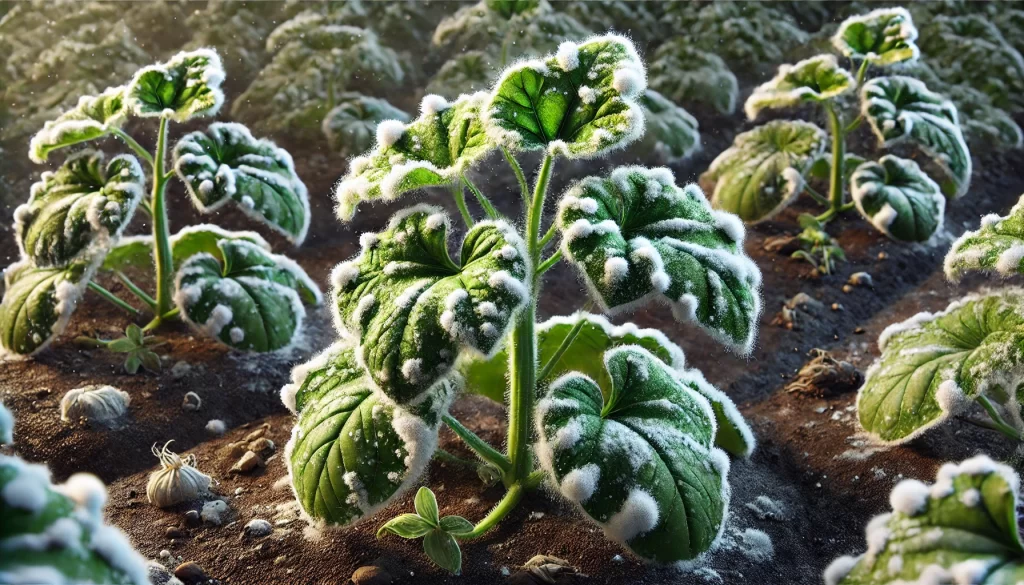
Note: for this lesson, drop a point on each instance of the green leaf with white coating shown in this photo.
(637, 237)
(579, 102)
(353, 450)
(249, 300)
(415, 311)
(137, 251)
(434, 149)
(38, 302)
(764, 169)
(996, 246)
(226, 163)
(818, 79)
(903, 110)
(639, 462)
(934, 363)
(93, 117)
(185, 87)
(351, 127)
(961, 529)
(80, 210)
(673, 131)
(898, 198)
(584, 355)
(881, 37)
(686, 74)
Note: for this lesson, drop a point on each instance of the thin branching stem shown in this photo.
(550, 262)
(478, 445)
(135, 290)
(485, 203)
(460, 201)
(112, 298)
(548, 236)
(998, 422)
(162, 258)
(506, 505)
(134, 145)
(562, 347)
(524, 188)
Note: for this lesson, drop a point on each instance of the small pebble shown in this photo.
(212, 512)
(882, 255)
(192, 517)
(247, 463)
(281, 560)
(164, 554)
(216, 427)
(257, 527)
(837, 307)
(191, 401)
(860, 279)
(190, 572)
(859, 330)
(174, 532)
(180, 370)
(160, 575)
(847, 288)
(617, 559)
(263, 446)
(371, 576)
(239, 491)
(505, 572)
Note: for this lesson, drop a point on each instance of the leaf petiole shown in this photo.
(485, 203)
(460, 201)
(112, 298)
(478, 445)
(549, 263)
(497, 514)
(134, 145)
(138, 292)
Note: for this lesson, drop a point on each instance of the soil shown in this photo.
(827, 479)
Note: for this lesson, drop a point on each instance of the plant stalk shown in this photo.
(998, 423)
(460, 201)
(482, 199)
(506, 505)
(478, 445)
(163, 260)
(133, 145)
(112, 298)
(135, 290)
(836, 192)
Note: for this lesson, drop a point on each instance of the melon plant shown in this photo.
(616, 421)
(768, 167)
(227, 285)
(937, 365)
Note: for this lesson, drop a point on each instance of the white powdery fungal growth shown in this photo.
(433, 104)
(99, 404)
(909, 497)
(639, 514)
(568, 56)
(389, 132)
(581, 483)
(177, 480)
(839, 569)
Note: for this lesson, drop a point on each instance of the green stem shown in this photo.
(817, 196)
(478, 445)
(485, 203)
(460, 201)
(549, 263)
(562, 348)
(132, 144)
(862, 72)
(997, 420)
(549, 235)
(446, 457)
(836, 192)
(112, 298)
(497, 514)
(135, 290)
(163, 260)
(524, 188)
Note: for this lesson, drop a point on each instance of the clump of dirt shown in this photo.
(825, 377)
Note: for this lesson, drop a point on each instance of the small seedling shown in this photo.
(817, 247)
(438, 533)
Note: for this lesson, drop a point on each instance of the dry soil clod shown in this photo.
(825, 376)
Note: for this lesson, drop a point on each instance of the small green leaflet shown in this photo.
(880, 37)
(435, 149)
(252, 300)
(672, 129)
(763, 171)
(933, 364)
(415, 311)
(898, 198)
(38, 303)
(997, 246)
(80, 210)
(637, 237)
(438, 534)
(94, 117)
(137, 251)
(579, 102)
(351, 127)
(641, 461)
(817, 79)
(961, 529)
(902, 109)
(226, 163)
(597, 336)
(353, 450)
(185, 87)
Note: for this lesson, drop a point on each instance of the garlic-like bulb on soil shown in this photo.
(177, 480)
(100, 404)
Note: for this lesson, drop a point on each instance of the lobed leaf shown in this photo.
(933, 363)
(185, 87)
(881, 37)
(414, 311)
(137, 251)
(684, 73)
(434, 149)
(352, 125)
(79, 211)
(765, 168)
(672, 129)
(901, 109)
(817, 79)
(579, 102)
(226, 163)
(635, 237)
(997, 246)
(639, 462)
(93, 117)
(250, 300)
(38, 303)
(898, 198)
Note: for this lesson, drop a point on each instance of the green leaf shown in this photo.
(685, 74)
(898, 199)
(636, 237)
(435, 149)
(249, 301)
(962, 529)
(456, 525)
(122, 345)
(93, 117)
(932, 364)
(640, 462)
(881, 37)
(38, 303)
(351, 127)
(821, 168)
(426, 506)
(353, 451)
(414, 311)
(185, 87)
(132, 364)
(137, 251)
(443, 550)
(467, 72)
(149, 360)
(997, 246)
(407, 526)
(817, 79)
(901, 109)
(510, 8)
(764, 169)
(79, 211)
(226, 163)
(671, 128)
(579, 102)
(134, 333)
